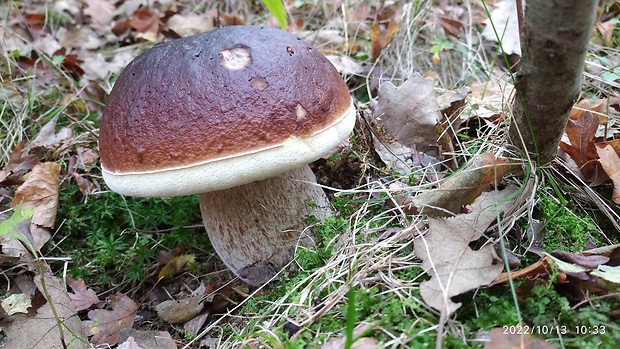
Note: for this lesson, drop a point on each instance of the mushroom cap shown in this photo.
(220, 109)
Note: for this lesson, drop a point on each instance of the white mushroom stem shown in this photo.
(255, 227)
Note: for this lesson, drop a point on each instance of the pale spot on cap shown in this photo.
(301, 112)
(259, 83)
(236, 58)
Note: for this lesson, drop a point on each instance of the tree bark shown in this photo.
(554, 45)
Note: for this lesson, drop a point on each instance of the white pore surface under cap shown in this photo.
(233, 171)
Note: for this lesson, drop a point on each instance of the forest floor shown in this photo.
(530, 255)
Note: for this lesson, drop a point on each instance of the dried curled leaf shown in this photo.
(581, 132)
(181, 311)
(465, 186)
(176, 264)
(455, 267)
(40, 190)
(409, 113)
(20, 162)
(41, 330)
(610, 161)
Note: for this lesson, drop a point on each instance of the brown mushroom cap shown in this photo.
(220, 109)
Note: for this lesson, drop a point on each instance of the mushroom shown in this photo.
(234, 115)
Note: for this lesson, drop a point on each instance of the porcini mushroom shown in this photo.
(235, 115)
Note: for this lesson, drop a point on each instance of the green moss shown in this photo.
(565, 230)
(117, 237)
(543, 307)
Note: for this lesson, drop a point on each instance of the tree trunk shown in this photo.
(554, 47)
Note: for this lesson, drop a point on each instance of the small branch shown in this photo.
(520, 16)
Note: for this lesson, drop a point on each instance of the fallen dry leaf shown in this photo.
(581, 133)
(82, 296)
(48, 45)
(606, 29)
(41, 68)
(190, 24)
(464, 186)
(72, 65)
(379, 39)
(176, 264)
(86, 186)
(228, 18)
(446, 256)
(16, 303)
(148, 339)
(130, 343)
(181, 311)
(589, 262)
(105, 325)
(195, 324)
(20, 162)
(100, 12)
(345, 65)
(405, 159)
(409, 113)
(41, 330)
(610, 162)
(48, 137)
(501, 340)
(584, 268)
(146, 21)
(36, 23)
(86, 159)
(504, 22)
(96, 67)
(359, 343)
(79, 37)
(595, 106)
(451, 26)
(592, 272)
(587, 129)
(40, 190)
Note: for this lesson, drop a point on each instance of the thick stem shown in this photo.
(255, 227)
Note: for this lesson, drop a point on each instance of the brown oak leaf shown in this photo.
(453, 265)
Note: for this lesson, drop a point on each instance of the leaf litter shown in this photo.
(151, 23)
(82, 296)
(105, 325)
(40, 329)
(453, 265)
